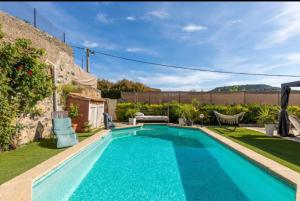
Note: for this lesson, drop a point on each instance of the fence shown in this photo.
(221, 98)
(32, 16)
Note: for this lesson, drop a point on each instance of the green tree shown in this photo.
(113, 90)
(105, 84)
(234, 88)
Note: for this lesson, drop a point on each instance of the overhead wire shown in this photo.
(184, 67)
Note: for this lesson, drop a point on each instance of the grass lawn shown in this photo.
(24, 158)
(283, 151)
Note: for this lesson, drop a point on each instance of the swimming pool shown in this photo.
(163, 163)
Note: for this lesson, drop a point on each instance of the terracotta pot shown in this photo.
(74, 126)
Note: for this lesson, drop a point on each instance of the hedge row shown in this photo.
(111, 93)
(193, 110)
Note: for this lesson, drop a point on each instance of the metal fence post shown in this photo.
(34, 17)
(64, 37)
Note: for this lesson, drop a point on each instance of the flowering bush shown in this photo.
(24, 81)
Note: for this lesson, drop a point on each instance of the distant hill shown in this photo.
(247, 87)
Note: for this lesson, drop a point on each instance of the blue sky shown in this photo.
(249, 37)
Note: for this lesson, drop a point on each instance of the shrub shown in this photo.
(24, 81)
(266, 116)
(295, 110)
(65, 90)
(111, 93)
(130, 113)
(122, 109)
(193, 110)
(73, 110)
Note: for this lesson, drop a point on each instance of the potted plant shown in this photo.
(87, 127)
(186, 111)
(73, 113)
(268, 118)
(131, 114)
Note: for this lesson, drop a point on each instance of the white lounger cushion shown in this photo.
(139, 114)
(152, 118)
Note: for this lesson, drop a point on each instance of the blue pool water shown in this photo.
(160, 163)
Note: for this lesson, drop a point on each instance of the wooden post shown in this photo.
(54, 80)
(87, 56)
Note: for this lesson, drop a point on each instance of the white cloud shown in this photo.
(130, 18)
(293, 58)
(159, 14)
(273, 81)
(193, 27)
(103, 18)
(287, 26)
(141, 50)
(101, 43)
(288, 58)
(232, 22)
(175, 33)
(75, 29)
(181, 80)
(90, 44)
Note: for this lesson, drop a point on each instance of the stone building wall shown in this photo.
(57, 53)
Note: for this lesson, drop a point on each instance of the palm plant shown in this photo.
(266, 116)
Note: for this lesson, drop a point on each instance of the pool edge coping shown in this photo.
(19, 188)
(269, 164)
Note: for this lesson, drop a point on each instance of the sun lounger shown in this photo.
(181, 122)
(295, 122)
(141, 117)
(65, 135)
(185, 122)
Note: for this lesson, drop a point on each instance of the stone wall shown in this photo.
(57, 53)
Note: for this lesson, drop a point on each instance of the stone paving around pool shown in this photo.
(20, 187)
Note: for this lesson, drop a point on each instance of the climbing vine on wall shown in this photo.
(24, 80)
